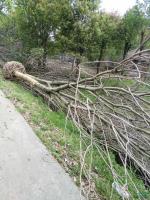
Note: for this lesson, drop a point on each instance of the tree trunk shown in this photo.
(44, 57)
(44, 46)
(126, 49)
(141, 41)
(101, 55)
(77, 66)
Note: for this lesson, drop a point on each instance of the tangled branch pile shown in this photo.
(115, 115)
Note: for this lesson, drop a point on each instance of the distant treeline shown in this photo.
(72, 26)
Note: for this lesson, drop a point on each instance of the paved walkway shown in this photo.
(27, 170)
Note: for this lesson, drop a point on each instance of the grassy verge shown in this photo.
(63, 140)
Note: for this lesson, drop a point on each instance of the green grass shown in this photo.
(64, 143)
(117, 83)
(107, 83)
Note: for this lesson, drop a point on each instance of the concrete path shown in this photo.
(27, 170)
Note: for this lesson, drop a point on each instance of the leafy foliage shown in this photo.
(76, 27)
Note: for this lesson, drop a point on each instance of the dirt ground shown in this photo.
(60, 70)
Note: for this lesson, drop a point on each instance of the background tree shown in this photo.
(144, 7)
(76, 27)
(37, 21)
(102, 29)
(73, 32)
(2, 5)
(130, 28)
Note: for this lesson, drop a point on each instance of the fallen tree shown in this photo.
(117, 117)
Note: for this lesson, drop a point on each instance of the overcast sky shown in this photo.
(121, 6)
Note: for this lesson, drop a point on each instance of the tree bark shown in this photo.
(141, 41)
(101, 55)
(126, 49)
(44, 46)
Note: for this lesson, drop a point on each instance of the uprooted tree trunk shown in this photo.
(117, 116)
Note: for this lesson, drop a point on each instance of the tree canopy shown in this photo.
(76, 27)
